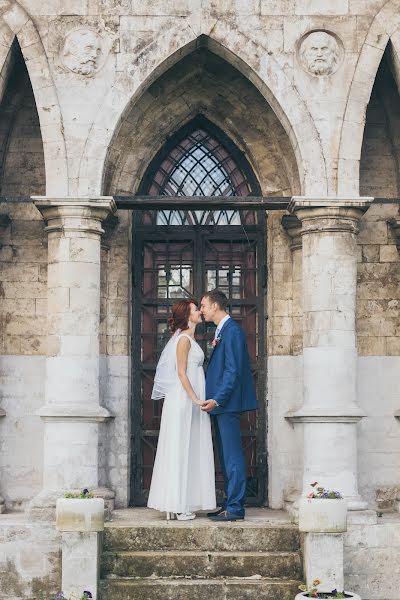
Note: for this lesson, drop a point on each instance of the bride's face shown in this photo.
(195, 314)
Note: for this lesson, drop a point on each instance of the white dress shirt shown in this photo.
(220, 326)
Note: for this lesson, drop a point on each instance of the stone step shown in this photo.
(197, 589)
(211, 538)
(201, 564)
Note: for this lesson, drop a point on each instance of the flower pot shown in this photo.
(80, 514)
(303, 595)
(322, 515)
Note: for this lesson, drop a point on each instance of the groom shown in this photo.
(230, 389)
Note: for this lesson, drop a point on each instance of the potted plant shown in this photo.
(312, 592)
(322, 511)
(80, 511)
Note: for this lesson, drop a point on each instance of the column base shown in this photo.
(43, 506)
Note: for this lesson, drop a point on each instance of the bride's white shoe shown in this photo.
(187, 516)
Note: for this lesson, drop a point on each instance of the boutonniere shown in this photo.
(216, 341)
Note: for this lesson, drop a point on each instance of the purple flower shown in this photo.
(87, 594)
(59, 596)
(334, 592)
(86, 491)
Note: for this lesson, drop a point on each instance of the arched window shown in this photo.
(199, 162)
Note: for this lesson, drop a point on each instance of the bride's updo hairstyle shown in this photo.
(180, 315)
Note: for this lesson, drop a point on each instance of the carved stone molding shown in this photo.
(292, 226)
(2, 412)
(75, 214)
(329, 214)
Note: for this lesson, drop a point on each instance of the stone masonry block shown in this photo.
(371, 345)
(323, 559)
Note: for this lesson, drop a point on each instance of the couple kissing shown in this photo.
(183, 480)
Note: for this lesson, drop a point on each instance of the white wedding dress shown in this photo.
(183, 476)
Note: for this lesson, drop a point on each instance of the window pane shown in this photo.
(200, 166)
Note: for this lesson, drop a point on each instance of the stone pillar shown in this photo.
(81, 523)
(330, 412)
(72, 410)
(292, 225)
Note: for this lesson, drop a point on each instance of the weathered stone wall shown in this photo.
(371, 558)
(26, 572)
(23, 326)
(159, 65)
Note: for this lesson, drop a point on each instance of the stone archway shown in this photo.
(384, 27)
(253, 62)
(15, 22)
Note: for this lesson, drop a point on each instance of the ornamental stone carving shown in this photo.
(83, 52)
(319, 53)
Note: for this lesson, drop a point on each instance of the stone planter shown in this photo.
(303, 595)
(322, 515)
(80, 514)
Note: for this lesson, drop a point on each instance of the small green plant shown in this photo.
(312, 591)
(85, 595)
(321, 492)
(83, 494)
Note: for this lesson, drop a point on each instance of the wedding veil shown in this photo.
(166, 375)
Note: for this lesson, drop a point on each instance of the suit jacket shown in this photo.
(228, 378)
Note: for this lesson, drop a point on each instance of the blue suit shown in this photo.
(230, 383)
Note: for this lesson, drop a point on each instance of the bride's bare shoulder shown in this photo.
(183, 340)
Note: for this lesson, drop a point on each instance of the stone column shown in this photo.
(72, 410)
(292, 226)
(330, 412)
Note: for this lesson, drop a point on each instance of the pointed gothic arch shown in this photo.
(181, 254)
(384, 29)
(254, 63)
(200, 160)
(16, 23)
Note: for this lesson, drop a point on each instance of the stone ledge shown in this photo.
(317, 414)
(361, 202)
(72, 412)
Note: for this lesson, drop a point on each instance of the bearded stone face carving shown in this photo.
(82, 51)
(319, 53)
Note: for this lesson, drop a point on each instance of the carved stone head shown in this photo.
(81, 51)
(319, 53)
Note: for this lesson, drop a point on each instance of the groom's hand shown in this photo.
(209, 405)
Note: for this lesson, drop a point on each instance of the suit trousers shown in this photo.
(231, 458)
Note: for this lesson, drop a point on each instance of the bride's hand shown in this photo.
(198, 402)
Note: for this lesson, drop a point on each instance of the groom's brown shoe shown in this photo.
(215, 513)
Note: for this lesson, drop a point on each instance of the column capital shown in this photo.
(292, 226)
(75, 214)
(329, 214)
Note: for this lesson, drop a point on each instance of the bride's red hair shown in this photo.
(180, 315)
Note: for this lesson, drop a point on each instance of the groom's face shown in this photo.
(208, 309)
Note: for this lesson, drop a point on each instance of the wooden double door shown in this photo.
(171, 262)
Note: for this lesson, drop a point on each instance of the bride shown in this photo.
(183, 476)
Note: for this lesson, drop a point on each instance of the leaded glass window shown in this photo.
(198, 165)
